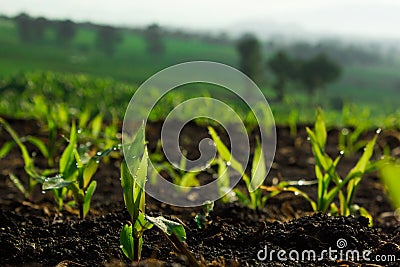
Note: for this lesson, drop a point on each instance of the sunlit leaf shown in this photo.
(88, 197)
(5, 149)
(259, 170)
(126, 241)
(168, 227)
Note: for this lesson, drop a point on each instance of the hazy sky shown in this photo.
(370, 18)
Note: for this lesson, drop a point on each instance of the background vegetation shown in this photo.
(79, 63)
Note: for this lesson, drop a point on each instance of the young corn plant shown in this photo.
(131, 236)
(75, 176)
(330, 184)
(349, 141)
(255, 199)
(33, 176)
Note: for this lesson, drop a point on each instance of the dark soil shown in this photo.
(34, 233)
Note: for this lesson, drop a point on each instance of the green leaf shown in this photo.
(55, 183)
(84, 118)
(96, 125)
(88, 197)
(67, 160)
(89, 170)
(141, 225)
(134, 151)
(39, 144)
(359, 169)
(133, 187)
(242, 197)
(390, 176)
(168, 227)
(126, 241)
(224, 151)
(25, 154)
(18, 185)
(140, 180)
(223, 181)
(127, 186)
(320, 129)
(258, 171)
(364, 160)
(5, 149)
(189, 180)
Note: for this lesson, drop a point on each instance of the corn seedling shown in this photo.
(33, 177)
(203, 217)
(255, 199)
(55, 117)
(325, 170)
(131, 236)
(349, 141)
(76, 170)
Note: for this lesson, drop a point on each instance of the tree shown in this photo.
(107, 39)
(65, 31)
(317, 72)
(31, 29)
(23, 22)
(153, 36)
(39, 26)
(284, 69)
(250, 57)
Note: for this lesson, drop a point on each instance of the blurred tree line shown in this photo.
(312, 73)
(35, 30)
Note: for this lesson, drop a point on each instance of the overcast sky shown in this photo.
(369, 18)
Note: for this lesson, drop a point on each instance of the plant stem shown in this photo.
(136, 249)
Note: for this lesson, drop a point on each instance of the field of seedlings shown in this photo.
(289, 156)
(69, 199)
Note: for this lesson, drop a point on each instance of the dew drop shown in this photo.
(121, 246)
(79, 131)
(301, 182)
(341, 152)
(97, 161)
(228, 163)
(98, 153)
(43, 192)
(133, 157)
(296, 193)
(378, 131)
(308, 138)
(345, 131)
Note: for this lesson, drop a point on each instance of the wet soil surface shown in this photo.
(34, 233)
